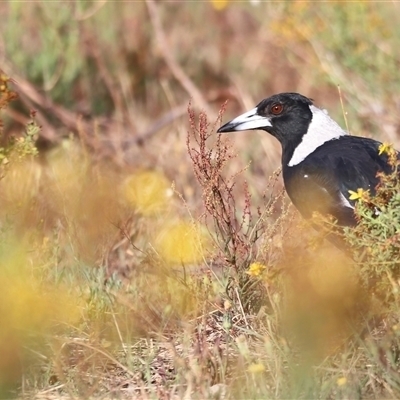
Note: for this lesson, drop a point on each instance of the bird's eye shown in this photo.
(276, 109)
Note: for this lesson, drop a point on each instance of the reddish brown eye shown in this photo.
(277, 109)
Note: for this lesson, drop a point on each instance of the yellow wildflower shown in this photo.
(219, 4)
(386, 148)
(256, 368)
(255, 269)
(182, 242)
(147, 191)
(360, 194)
(341, 381)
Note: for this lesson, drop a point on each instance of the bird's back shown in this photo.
(321, 182)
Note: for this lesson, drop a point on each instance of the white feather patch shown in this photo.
(321, 129)
(345, 202)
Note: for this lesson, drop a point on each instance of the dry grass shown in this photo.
(144, 256)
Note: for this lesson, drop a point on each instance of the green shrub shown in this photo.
(376, 238)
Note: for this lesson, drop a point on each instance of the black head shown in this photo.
(285, 116)
(293, 120)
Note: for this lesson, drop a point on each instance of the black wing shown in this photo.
(322, 181)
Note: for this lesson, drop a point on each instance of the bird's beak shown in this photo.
(247, 121)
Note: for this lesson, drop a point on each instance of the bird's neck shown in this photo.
(321, 129)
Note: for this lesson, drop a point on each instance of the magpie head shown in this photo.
(292, 119)
(282, 115)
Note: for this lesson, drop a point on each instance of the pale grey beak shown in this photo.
(247, 121)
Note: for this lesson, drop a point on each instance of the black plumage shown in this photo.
(321, 162)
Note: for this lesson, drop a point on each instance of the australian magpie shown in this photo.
(321, 162)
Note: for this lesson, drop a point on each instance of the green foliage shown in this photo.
(376, 238)
(23, 146)
(345, 45)
(54, 61)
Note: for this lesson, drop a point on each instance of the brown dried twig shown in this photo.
(175, 68)
(236, 230)
(218, 198)
(36, 99)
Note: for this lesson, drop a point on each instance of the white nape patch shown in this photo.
(321, 129)
(250, 120)
(345, 202)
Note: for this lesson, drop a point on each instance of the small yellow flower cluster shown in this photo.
(386, 148)
(360, 194)
(256, 368)
(341, 381)
(255, 269)
(148, 192)
(182, 242)
(219, 4)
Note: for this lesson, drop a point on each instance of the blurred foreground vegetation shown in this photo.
(142, 255)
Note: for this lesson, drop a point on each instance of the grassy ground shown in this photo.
(143, 256)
